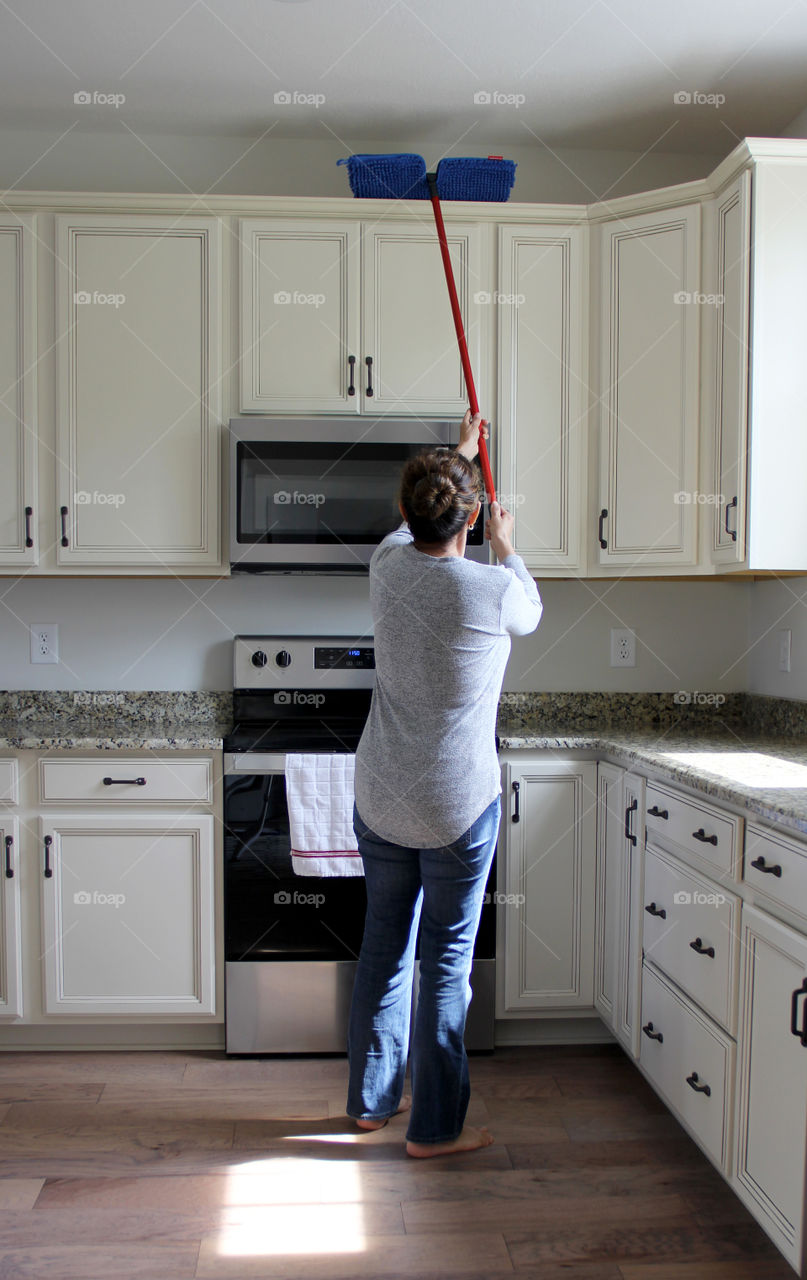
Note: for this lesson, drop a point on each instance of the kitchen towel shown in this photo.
(319, 795)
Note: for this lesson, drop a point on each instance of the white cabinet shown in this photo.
(127, 914)
(343, 317)
(617, 930)
(18, 424)
(11, 1005)
(542, 310)
(771, 1121)
(138, 390)
(546, 913)
(648, 388)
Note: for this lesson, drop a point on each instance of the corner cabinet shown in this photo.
(18, 425)
(138, 431)
(618, 903)
(542, 306)
(546, 885)
(648, 388)
(346, 317)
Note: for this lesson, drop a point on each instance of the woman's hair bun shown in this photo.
(432, 496)
(439, 493)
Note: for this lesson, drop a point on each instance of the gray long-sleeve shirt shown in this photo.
(426, 765)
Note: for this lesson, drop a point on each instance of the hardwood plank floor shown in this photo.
(196, 1167)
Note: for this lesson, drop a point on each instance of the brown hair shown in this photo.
(439, 493)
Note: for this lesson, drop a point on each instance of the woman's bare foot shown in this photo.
(469, 1140)
(406, 1103)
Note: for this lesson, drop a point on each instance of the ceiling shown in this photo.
(559, 73)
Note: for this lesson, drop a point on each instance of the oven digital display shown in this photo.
(347, 659)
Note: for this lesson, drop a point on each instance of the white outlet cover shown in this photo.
(623, 647)
(44, 642)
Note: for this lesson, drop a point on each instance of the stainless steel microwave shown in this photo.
(318, 495)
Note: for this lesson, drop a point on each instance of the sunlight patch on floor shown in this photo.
(291, 1206)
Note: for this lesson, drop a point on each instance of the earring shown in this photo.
(471, 528)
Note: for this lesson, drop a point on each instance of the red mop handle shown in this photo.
(484, 460)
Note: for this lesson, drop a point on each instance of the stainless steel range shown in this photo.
(291, 942)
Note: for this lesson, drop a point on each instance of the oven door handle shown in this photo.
(236, 762)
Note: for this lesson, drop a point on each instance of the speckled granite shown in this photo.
(110, 720)
(593, 710)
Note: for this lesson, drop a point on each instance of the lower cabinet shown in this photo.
(11, 1005)
(127, 914)
(546, 885)
(617, 928)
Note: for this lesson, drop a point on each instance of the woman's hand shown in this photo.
(499, 528)
(469, 435)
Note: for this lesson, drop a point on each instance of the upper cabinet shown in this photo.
(339, 317)
(647, 388)
(18, 498)
(541, 305)
(138, 438)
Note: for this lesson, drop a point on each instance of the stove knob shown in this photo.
(259, 658)
(283, 659)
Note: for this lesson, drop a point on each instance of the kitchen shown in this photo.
(187, 273)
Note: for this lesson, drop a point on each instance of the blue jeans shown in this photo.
(449, 885)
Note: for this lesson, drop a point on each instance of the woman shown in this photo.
(428, 790)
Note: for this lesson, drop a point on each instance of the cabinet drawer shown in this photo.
(768, 849)
(162, 781)
(691, 1048)
(707, 833)
(695, 911)
(9, 784)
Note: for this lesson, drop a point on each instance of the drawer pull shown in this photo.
(631, 808)
(698, 946)
(368, 360)
(651, 1034)
(9, 868)
(48, 868)
(124, 782)
(351, 361)
(759, 865)
(795, 1029)
(695, 1084)
(655, 812)
(701, 835)
(600, 536)
(653, 910)
(516, 794)
(29, 511)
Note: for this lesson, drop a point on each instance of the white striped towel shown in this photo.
(319, 794)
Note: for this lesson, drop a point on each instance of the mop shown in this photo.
(404, 177)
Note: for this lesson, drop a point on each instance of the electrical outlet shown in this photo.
(44, 642)
(784, 650)
(623, 648)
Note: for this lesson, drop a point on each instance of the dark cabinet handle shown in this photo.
(48, 868)
(368, 360)
(655, 812)
(29, 511)
(653, 910)
(63, 514)
(124, 782)
(651, 1034)
(698, 946)
(351, 361)
(694, 1083)
(759, 865)
(516, 793)
(631, 808)
(701, 835)
(603, 516)
(731, 532)
(9, 868)
(799, 1032)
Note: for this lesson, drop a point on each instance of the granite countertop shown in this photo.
(122, 735)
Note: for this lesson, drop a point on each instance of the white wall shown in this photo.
(778, 604)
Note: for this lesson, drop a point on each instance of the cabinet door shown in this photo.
(407, 326)
(772, 1081)
(628, 1025)
(727, 273)
(649, 388)
(547, 914)
(10, 936)
(127, 914)
(18, 425)
(609, 901)
(138, 354)
(542, 416)
(300, 316)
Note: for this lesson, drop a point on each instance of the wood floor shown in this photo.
(163, 1165)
